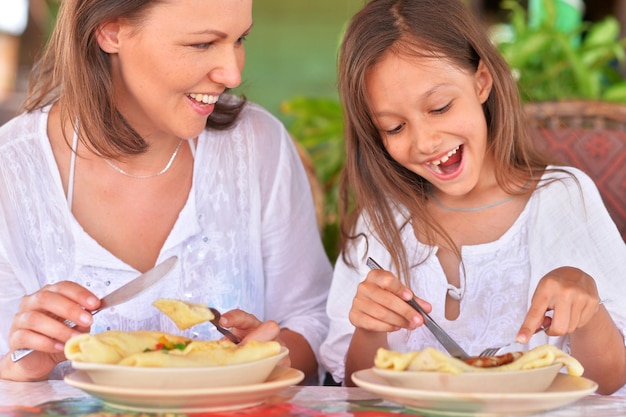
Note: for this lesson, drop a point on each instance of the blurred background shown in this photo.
(559, 50)
(290, 52)
(292, 49)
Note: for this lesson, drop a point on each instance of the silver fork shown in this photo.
(230, 335)
(493, 351)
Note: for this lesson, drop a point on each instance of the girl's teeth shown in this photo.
(446, 157)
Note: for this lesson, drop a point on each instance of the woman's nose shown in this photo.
(229, 68)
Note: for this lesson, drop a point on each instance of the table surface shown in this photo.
(19, 399)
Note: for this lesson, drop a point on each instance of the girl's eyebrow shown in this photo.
(428, 93)
(435, 89)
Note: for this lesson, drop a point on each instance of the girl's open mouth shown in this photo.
(449, 164)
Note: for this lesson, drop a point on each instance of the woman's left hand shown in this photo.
(572, 296)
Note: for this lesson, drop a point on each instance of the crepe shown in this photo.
(183, 313)
(431, 359)
(158, 349)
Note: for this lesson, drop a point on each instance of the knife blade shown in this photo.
(124, 293)
(444, 338)
(138, 285)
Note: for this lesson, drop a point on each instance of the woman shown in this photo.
(132, 151)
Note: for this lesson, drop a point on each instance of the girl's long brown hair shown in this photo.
(373, 184)
(75, 72)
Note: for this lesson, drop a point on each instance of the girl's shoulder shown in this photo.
(563, 171)
(567, 177)
(565, 186)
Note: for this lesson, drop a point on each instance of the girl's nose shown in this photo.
(229, 68)
(426, 141)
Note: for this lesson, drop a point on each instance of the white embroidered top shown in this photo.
(246, 238)
(555, 229)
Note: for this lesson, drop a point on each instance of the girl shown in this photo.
(132, 151)
(443, 188)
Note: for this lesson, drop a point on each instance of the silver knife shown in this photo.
(122, 294)
(448, 343)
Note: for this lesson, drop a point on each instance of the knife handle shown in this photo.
(21, 353)
(446, 341)
(372, 264)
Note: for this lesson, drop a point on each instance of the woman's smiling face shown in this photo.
(170, 67)
(429, 114)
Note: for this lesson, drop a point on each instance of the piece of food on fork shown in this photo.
(184, 314)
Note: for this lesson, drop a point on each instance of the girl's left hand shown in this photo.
(570, 293)
(248, 327)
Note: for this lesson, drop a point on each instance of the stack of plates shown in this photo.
(487, 394)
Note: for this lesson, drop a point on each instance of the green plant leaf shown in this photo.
(318, 126)
(603, 32)
(526, 49)
(553, 63)
(615, 92)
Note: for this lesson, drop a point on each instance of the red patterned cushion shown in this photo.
(601, 154)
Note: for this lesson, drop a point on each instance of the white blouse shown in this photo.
(246, 238)
(561, 225)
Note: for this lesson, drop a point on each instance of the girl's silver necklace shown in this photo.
(143, 177)
(453, 291)
(471, 209)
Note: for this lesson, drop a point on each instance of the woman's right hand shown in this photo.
(39, 325)
(380, 304)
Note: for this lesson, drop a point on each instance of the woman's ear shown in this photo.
(484, 82)
(108, 37)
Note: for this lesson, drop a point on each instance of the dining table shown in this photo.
(54, 398)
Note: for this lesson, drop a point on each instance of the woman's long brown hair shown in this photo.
(75, 72)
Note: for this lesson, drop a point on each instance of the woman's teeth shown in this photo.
(204, 98)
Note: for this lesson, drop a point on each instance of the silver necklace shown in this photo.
(453, 291)
(143, 177)
(471, 209)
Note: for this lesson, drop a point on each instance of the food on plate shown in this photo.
(145, 348)
(183, 313)
(431, 359)
(492, 361)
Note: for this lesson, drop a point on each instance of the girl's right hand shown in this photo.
(39, 324)
(380, 304)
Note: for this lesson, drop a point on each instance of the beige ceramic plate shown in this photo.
(532, 380)
(564, 390)
(189, 400)
(181, 378)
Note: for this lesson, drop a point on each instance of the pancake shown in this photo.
(431, 359)
(157, 349)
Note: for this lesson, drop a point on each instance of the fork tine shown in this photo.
(488, 352)
(493, 351)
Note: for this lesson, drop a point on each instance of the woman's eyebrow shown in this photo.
(217, 33)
